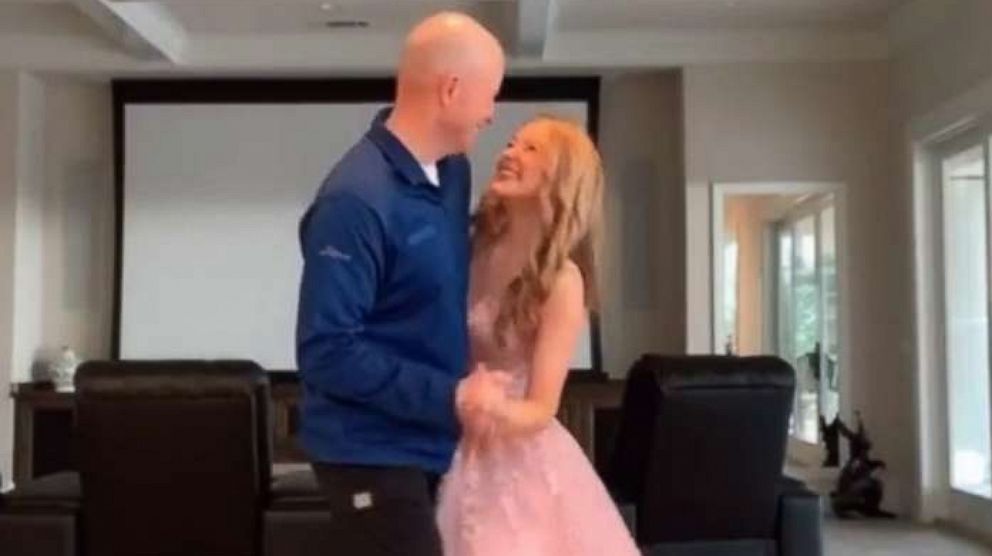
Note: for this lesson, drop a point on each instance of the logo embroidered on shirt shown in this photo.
(334, 253)
(362, 500)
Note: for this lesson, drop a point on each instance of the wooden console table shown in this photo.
(43, 421)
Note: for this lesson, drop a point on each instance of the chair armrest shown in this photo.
(297, 490)
(297, 520)
(38, 518)
(800, 520)
(58, 491)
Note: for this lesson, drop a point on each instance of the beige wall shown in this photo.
(78, 225)
(65, 223)
(21, 174)
(833, 123)
(751, 216)
(750, 258)
(749, 228)
(746, 219)
(947, 55)
(740, 226)
(28, 249)
(8, 198)
(644, 251)
(56, 227)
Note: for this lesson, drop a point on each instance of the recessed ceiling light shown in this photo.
(328, 7)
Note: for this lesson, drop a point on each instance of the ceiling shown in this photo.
(273, 35)
(275, 17)
(728, 14)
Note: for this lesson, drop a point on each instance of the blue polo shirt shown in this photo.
(381, 331)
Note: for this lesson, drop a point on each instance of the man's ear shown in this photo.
(450, 87)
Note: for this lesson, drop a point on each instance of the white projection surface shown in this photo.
(213, 194)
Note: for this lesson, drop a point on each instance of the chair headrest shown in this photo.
(178, 378)
(672, 373)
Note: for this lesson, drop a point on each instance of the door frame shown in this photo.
(801, 452)
(947, 504)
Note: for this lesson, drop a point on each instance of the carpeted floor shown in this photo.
(895, 538)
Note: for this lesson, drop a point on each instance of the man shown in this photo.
(382, 333)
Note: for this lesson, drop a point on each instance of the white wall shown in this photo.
(820, 122)
(643, 268)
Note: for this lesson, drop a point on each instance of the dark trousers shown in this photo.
(380, 511)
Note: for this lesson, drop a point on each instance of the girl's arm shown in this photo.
(562, 320)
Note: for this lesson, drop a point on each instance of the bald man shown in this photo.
(382, 337)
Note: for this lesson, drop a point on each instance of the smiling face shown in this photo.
(523, 167)
(468, 99)
(550, 174)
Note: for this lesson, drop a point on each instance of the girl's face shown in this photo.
(523, 166)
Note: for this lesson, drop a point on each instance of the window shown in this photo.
(965, 215)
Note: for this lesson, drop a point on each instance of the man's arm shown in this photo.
(343, 249)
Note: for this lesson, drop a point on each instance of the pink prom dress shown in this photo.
(533, 495)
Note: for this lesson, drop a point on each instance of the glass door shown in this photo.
(964, 198)
(807, 312)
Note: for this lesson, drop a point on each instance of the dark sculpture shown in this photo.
(858, 491)
(831, 440)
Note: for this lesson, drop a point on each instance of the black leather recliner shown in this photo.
(699, 454)
(174, 459)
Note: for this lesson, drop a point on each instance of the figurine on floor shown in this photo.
(831, 439)
(858, 491)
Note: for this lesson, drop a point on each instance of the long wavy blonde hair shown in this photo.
(573, 191)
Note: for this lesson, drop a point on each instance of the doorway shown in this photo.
(778, 289)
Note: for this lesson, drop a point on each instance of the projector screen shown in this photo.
(212, 195)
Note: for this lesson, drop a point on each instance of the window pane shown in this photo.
(730, 295)
(784, 304)
(806, 328)
(785, 293)
(967, 335)
(829, 393)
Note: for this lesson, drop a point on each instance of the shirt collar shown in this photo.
(396, 152)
